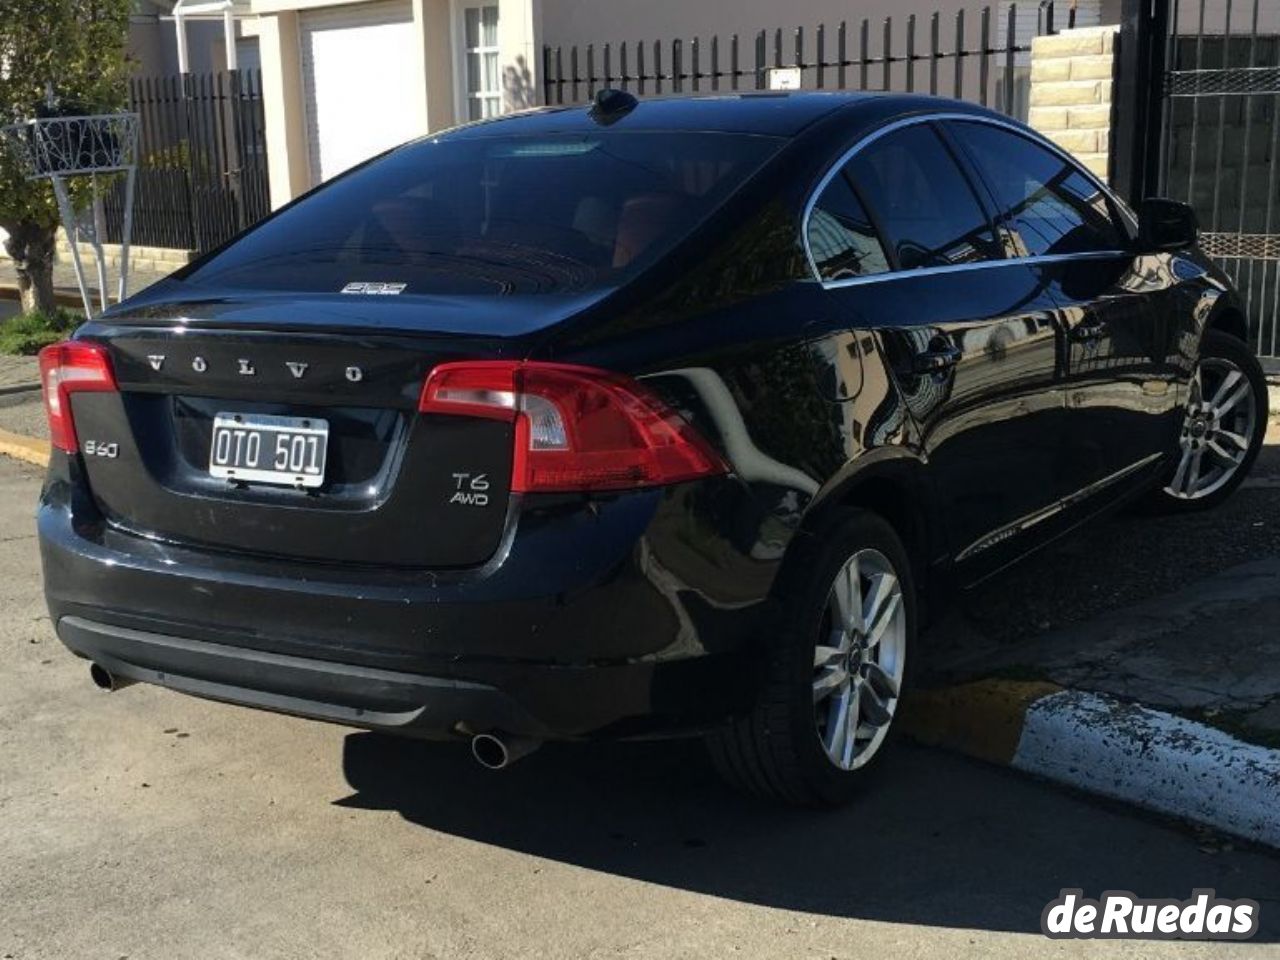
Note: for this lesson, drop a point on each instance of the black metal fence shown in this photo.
(952, 55)
(1215, 141)
(202, 173)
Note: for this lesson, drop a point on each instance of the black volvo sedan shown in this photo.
(642, 419)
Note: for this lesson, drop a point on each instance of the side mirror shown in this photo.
(1166, 224)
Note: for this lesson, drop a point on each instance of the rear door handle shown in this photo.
(937, 360)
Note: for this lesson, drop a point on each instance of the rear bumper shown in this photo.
(537, 701)
(340, 693)
(584, 628)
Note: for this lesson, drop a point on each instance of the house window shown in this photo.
(480, 60)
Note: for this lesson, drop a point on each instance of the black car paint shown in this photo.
(629, 613)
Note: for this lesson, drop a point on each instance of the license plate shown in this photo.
(252, 447)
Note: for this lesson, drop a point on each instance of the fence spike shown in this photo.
(934, 35)
(1011, 41)
(865, 52)
(984, 63)
(820, 56)
(911, 53)
(842, 53)
(887, 81)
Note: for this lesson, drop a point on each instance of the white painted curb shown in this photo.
(1155, 760)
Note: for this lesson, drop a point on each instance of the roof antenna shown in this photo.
(610, 105)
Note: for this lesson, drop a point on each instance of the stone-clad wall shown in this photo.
(1072, 81)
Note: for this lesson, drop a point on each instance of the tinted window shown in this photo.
(1045, 200)
(925, 204)
(841, 238)
(496, 215)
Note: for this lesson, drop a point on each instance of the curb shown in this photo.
(24, 448)
(64, 298)
(1106, 747)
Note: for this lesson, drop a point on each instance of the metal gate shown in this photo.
(1217, 142)
(202, 165)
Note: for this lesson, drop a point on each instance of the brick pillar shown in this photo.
(1072, 81)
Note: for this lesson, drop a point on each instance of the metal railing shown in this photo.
(942, 54)
(202, 160)
(1217, 145)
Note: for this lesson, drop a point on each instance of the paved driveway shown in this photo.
(145, 824)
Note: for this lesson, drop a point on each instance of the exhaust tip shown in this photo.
(104, 679)
(490, 752)
(495, 751)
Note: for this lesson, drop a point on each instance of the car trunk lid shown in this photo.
(399, 488)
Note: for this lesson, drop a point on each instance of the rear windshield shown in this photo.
(495, 215)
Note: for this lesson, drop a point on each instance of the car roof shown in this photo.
(781, 114)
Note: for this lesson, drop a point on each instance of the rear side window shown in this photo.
(926, 205)
(476, 214)
(1045, 200)
(841, 239)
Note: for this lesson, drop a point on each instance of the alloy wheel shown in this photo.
(859, 659)
(1218, 430)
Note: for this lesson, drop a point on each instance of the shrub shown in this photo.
(24, 335)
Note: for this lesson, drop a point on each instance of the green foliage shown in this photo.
(78, 46)
(176, 157)
(24, 335)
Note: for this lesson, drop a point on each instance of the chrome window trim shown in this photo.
(980, 265)
(1016, 129)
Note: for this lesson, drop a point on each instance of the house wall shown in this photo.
(1215, 17)
(430, 97)
(153, 44)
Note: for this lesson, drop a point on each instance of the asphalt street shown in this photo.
(145, 824)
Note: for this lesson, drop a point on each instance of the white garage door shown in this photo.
(358, 79)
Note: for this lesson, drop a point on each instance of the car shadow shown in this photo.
(938, 840)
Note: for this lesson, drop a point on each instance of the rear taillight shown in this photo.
(66, 368)
(577, 428)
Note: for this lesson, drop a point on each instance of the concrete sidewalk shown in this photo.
(1172, 704)
(18, 373)
(141, 276)
(1162, 686)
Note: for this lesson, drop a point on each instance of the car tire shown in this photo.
(1204, 456)
(792, 745)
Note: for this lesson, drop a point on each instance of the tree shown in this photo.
(77, 48)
